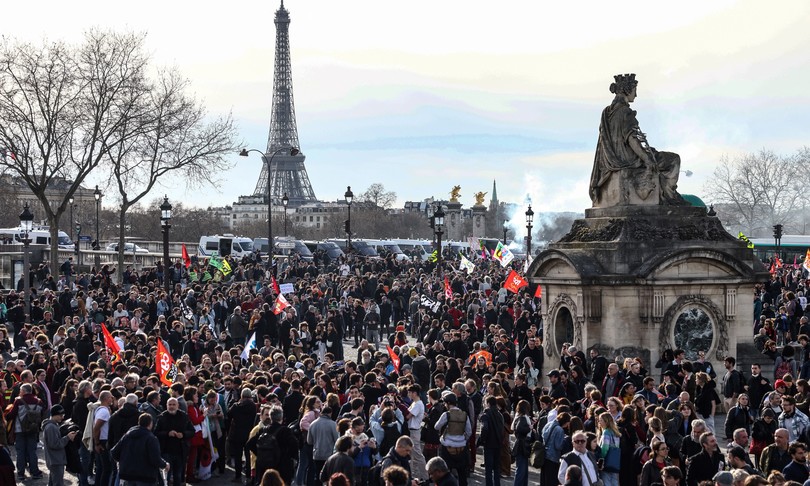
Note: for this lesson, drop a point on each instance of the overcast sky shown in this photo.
(423, 95)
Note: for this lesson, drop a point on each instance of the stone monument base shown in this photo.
(636, 280)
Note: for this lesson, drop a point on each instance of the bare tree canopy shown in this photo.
(754, 191)
(69, 110)
(172, 140)
(62, 106)
(378, 196)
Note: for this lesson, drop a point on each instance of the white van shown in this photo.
(38, 236)
(224, 245)
(420, 249)
(387, 246)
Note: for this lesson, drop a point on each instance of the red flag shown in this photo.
(186, 258)
(275, 285)
(539, 292)
(394, 358)
(112, 346)
(514, 282)
(164, 366)
(280, 305)
(448, 292)
(773, 268)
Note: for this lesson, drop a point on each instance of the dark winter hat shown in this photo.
(57, 410)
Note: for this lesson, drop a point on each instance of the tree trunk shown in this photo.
(122, 231)
(53, 228)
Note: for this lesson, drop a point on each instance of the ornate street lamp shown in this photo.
(349, 196)
(97, 194)
(26, 224)
(505, 229)
(284, 201)
(293, 151)
(165, 224)
(438, 222)
(529, 220)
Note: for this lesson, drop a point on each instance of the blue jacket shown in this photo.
(553, 438)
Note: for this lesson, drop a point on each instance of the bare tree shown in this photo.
(378, 196)
(757, 189)
(62, 106)
(171, 141)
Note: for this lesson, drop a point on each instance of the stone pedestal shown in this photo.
(453, 221)
(479, 224)
(636, 280)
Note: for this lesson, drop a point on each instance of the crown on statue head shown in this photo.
(624, 83)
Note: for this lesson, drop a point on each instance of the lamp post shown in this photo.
(529, 220)
(293, 151)
(26, 223)
(284, 201)
(505, 229)
(97, 195)
(349, 196)
(70, 201)
(432, 221)
(438, 221)
(165, 223)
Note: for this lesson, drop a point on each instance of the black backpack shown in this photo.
(32, 420)
(267, 447)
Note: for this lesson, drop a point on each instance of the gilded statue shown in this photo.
(455, 193)
(626, 169)
(479, 198)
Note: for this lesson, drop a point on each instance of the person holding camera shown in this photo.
(54, 445)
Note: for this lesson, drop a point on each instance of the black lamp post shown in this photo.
(165, 223)
(72, 221)
(349, 196)
(293, 151)
(97, 195)
(505, 229)
(438, 222)
(529, 220)
(26, 224)
(284, 201)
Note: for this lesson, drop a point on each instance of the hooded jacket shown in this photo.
(54, 444)
(121, 421)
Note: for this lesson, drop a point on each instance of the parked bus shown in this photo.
(791, 247)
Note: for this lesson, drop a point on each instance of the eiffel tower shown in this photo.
(287, 173)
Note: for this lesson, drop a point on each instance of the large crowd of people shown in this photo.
(375, 372)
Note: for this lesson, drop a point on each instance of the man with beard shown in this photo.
(533, 351)
(797, 469)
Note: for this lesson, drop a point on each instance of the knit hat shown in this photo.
(723, 478)
(57, 410)
(413, 352)
(779, 383)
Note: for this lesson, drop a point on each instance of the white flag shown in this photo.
(250, 345)
(431, 304)
(467, 265)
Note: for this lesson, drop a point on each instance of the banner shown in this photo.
(186, 258)
(514, 282)
(251, 344)
(448, 292)
(165, 367)
(112, 346)
(280, 305)
(286, 288)
(431, 304)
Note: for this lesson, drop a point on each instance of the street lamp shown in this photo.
(26, 224)
(529, 220)
(70, 201)
(438, 221)
(349, 196)
(505, 229)
(293, 151)
(165, 223)
(97, 195)
(284, 201)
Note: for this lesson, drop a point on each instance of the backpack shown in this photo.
(783, 368)
(375, 473)
(32, 420)
(390, 437)
(295, 428)
(267, 447)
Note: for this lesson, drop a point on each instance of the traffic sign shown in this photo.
(285, 245)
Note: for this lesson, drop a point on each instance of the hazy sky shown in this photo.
(423, 95)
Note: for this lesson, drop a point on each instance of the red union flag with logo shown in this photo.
(514, 282)
(280, 305)
(164, 365)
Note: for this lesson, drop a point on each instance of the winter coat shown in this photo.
(121, 421)
(54, 444)
(138, 455)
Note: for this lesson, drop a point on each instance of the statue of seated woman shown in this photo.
(626, 170)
